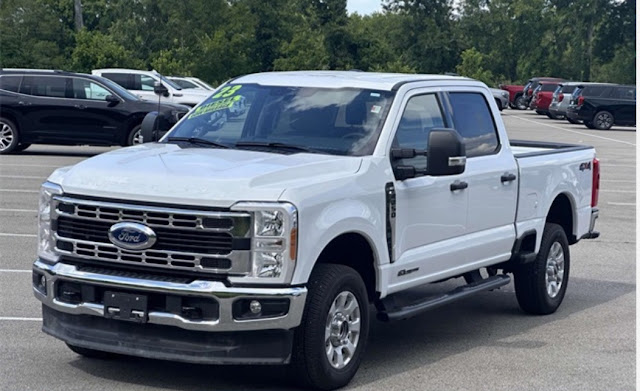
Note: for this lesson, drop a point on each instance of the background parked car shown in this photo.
(515, 92)
(141, 83)
(64, 108)
(542, 97)
(584, 90)
(190, 82)
(616, 105)
(501, 97)
(527, 94)
(560, 100)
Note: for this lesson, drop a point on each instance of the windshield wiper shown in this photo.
(198, 140)
(275, 145)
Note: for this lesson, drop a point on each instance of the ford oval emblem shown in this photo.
(132, 236)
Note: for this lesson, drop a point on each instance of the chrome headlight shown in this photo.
(274, 241)
(46, 243)
(505, 94)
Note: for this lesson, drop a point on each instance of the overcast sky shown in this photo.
(363, 7)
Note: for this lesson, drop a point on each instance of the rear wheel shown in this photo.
(8, 136)
(521, 103)
(603, 120)
(332, 336)
(541, 285)
(91, 353)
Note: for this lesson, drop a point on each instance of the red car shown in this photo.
(542, 97)
(515, 92)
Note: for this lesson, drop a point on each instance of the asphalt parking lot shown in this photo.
(482, 343)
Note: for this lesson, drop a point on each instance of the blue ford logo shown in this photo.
(132, 236)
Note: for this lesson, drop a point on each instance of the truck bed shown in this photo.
(524, 148)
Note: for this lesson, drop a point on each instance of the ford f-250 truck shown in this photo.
(268, 238)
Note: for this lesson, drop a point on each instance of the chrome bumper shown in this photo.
(225, 296)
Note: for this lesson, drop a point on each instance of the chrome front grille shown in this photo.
(203, 241)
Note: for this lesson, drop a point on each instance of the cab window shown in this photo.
(10, 83)
(421, 114)
(473, 120)
(49, 86)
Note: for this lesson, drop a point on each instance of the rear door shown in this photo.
(491, 173)
(47, 108)
(625, 111)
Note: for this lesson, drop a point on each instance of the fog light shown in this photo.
(255, 307)
(40, 283)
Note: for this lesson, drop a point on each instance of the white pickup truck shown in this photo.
(271, 237)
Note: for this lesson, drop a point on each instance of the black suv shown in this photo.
(64, 108)
(600, 106)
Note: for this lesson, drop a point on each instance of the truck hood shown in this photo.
(168, 173)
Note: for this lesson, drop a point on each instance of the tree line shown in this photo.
(496, 41)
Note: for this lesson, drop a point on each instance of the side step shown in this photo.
(389, 312)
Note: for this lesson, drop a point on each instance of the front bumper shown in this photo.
(215, 291)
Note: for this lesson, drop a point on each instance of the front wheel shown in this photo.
(541, 285)
(135, 136)
(589, 124)
(332, 336)
(521, 103)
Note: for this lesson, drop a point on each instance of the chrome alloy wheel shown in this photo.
(342, 331)
(604, 121)
(555, 269)
(6, 135)
(137, 137)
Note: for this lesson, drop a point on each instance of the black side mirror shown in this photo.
(112, 99)
(445, 153)
(160, 89)
(149, 128)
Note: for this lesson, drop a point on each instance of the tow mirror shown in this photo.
(160, 89)
(150, 128)
(445, 153)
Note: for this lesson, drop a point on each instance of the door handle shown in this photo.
(458, 185)
(81, 107)
(507, 177)
(24, 103)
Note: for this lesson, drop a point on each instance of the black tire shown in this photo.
(133, 134)
(91, 353)
(530, 280)
(574, 121)
(9, 136)
(603, 120)
(540, 112)
(499, 103)
(554, 116)
(589, 124)
(521, 103)
(21, 147)
(309, 362)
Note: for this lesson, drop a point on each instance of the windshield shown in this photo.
(345, 121)
(203, 83)
(186, 84)
(169, 82)
(118, 89)
(548, 87)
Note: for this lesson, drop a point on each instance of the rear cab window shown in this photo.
(122, 79)
(474, 122)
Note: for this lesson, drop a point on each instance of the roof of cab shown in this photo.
(342, 79)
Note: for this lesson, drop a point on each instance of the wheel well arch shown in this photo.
(353, 249)
(561, 213)
(11, 117)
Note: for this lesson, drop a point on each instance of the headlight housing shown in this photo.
(46, 242)
(274, 242)
(505, 94)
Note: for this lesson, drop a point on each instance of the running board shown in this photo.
(389, 312)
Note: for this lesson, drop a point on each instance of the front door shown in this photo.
(430, 215)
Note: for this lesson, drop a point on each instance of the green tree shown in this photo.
(96, 50)
(472, 66)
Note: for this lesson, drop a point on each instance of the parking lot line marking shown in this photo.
(20, 318)
(14, 271)
(23, 177)
(619, 165)
(616, 191)
(18, 235)
(622, 203)
(617, 180)
(29, 165)
(19, 191)
(19, 210)
(575, 131)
